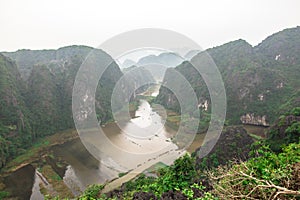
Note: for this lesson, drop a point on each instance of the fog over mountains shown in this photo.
(261, 82)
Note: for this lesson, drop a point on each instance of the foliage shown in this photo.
(92, 192)
(233, 144)
(15, 130)
(267, 176)
(285, 131)
(296, 111)
(178, 177)
(248, 74)
(3, 194)
(36, 95)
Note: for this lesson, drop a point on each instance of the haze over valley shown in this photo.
(149, 100)
(43, 155)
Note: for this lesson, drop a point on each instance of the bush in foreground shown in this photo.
(269, 176)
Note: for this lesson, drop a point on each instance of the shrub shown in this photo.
(268, 176)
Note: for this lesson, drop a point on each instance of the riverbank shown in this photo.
(39, 148)
(64, 167)
(37, 163)
(166, 159)
(68, 168)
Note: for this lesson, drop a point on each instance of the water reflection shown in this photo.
(153, 143)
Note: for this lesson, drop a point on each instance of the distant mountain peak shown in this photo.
(127, 63)
(283, 46)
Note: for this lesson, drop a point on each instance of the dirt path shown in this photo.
(166, 158)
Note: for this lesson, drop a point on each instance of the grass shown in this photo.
(197, 142)
(256, 130)
(40, 147)
(43, 190)
(122, 174)
(41, 143)
(34, 155)
(173, 119)
(154, 168)
(255, 137)
(4, 194)
(56, 181)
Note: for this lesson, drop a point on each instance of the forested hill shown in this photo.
(14, 116)
(261, 82)
(36, 94)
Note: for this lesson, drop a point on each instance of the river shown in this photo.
(153, 146)
(85, 170)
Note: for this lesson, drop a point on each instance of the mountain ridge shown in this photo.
(45, 94)
(258, 90)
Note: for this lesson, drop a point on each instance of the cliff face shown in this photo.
(258, 86)
(14, 116)
(36, 94)
(43, 100)
(50, 75)
(138, 76)
(250, 118)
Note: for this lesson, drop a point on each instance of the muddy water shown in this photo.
(40, 180)
(83, 168)
(153, 144)
(144, 140)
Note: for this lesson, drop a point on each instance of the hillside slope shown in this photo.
(36, 94)
(15, 129)
(258, 87)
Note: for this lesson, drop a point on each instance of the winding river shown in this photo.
(155, 146)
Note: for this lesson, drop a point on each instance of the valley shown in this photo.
(67, 168)
(155, 151)
(60, 165)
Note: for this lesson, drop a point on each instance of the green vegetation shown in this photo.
(56, 181)
(255, 81)
(234, 143)
(285, 131)
(35, 101)
(3, 194)
(256, 137)
(122, 174)
(268, 176)
(92, 192)
(265, 175)
(42, 145)
(36, 95)
(15, 130)
(179, 177)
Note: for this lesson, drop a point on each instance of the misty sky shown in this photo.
(44, 24)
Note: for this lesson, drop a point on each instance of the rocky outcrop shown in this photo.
(203, 105)
(233, 144)
(251, 119)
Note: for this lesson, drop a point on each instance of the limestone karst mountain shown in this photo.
(261, 82)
